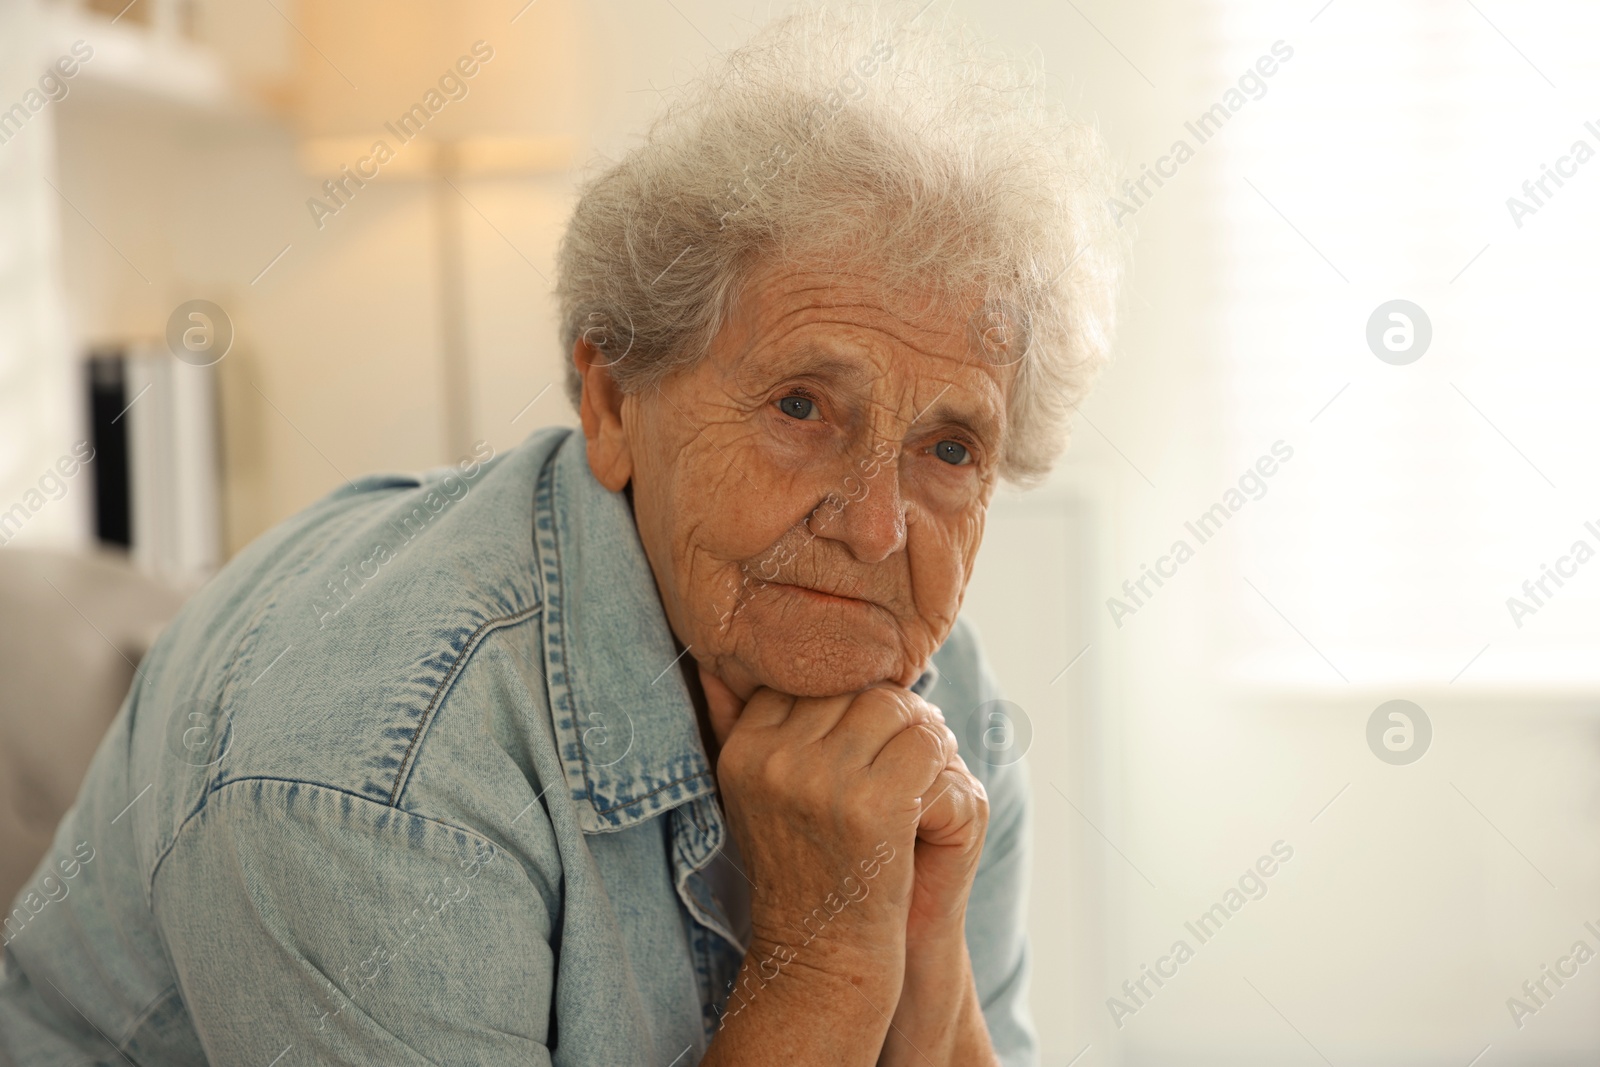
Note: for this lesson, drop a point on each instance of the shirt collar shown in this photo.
(625, 724)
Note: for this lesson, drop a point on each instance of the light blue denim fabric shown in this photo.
(414, 780)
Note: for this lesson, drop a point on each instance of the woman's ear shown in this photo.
(610, 455)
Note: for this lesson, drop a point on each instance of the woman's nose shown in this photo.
(867, 515)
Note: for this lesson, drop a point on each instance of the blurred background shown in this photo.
(1431, 461)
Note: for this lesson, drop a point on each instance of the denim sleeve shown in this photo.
(312, 926)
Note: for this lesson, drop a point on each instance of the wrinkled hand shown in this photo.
(817, 789)
(861, 829)
(950, 833)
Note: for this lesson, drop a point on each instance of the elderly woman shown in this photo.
(645, 745)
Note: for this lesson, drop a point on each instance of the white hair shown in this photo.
(872, 136)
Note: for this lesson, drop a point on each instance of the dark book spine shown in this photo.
(108, 423)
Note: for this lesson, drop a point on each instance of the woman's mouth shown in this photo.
(819, 596)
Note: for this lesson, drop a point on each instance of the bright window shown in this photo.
(1378, 166)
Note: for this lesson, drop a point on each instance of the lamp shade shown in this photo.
(455, 71)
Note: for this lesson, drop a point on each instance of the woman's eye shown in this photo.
(798, 407)
(952, 452)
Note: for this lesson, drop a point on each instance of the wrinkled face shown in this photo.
(811, 494)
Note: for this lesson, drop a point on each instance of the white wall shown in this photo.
(39, 422)
(1422, 898)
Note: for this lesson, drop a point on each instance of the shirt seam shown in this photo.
(324, 787)
(402, 774)
(144, 1016)
(635, 801)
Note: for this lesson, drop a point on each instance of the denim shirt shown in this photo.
(416, 779)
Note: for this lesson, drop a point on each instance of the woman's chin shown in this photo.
(822, 656)
(802, 681)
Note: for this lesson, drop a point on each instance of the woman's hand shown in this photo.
(938, 1018)
(824, 796)
(950, 832)
(861, 829)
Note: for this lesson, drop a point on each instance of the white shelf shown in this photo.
(142, 65)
